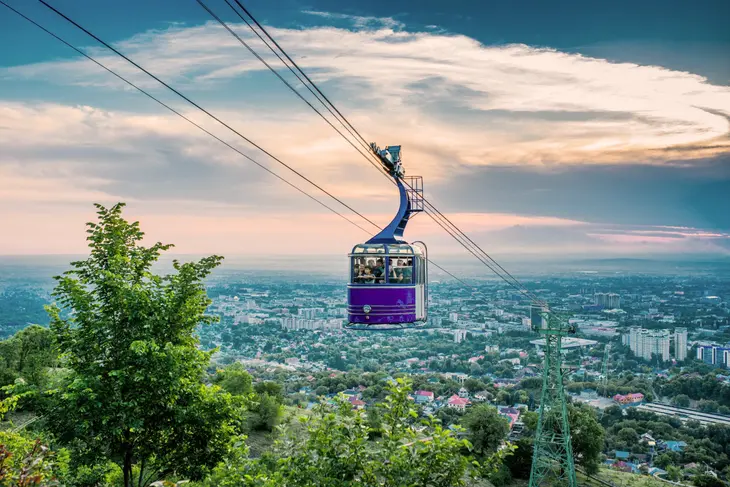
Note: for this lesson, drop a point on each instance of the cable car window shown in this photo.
(400, 270)
(368, 270)
(400, 249)
(369, 249)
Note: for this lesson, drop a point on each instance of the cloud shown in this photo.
(690, 193)
(360, 22)
(530, 149)
(202, 227)
(149, 156)
(482, 105)
(678, 243)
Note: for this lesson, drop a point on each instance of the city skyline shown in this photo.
(533, 138)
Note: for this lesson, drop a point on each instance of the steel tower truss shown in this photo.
(552, 457)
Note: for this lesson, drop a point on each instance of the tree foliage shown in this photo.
(586, 433)
(707, 480)
(587, 436)
(681, 400)
(235, 379)
(26, 462)
(135, 394)
(487, 429)
(27, 356)
(335, 451)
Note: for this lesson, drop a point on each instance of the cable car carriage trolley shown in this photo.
(388, 288)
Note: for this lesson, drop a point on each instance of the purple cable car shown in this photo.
(388, 288)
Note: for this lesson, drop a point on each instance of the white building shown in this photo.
(680, 344)
(459, 336)
(647, 343)
(310, 313)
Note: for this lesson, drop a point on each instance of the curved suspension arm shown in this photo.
(393, 233)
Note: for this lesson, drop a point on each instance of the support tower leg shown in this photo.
(552, 458)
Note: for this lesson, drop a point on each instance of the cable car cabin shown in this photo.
(387, 288)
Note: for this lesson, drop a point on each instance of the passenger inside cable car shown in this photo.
(372, 269)
(401, 270)
(368, 270)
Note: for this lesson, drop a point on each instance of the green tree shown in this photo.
(26, 462)
(335, 451)
(611, 415)
(271, 388)
(27, 355)
(586, 433)
(707, 480)
(503, 397)
(135, 394)
(628, 435)
(487, 429)
(587, 437)
(502, 477)
(520, 462)
(674, 473)
(474, 385)
(708, 406)
(235, 379)
(682, 400)
(665, 460)
(265, 412)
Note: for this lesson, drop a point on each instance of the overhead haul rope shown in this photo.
(98, 63)
(178, 93)
(281, 78)
(106, 68)
(436, 215)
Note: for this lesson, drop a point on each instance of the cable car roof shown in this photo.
(390, 249)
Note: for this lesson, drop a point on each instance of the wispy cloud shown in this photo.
(454, 104)
(481, 104)
(359, 21)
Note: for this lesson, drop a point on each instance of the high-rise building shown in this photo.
(310, 313)
(633, 338)
(680, 344)
(662, 339)
(714, 355)
(607, 300)
(647, 343)
(537, 316)
(459, 336)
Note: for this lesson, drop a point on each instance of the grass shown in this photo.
(625, 479)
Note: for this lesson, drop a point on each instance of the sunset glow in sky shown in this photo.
(534, 132)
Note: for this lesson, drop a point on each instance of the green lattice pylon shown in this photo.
(552, 457)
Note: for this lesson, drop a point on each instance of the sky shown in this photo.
(555, 129)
